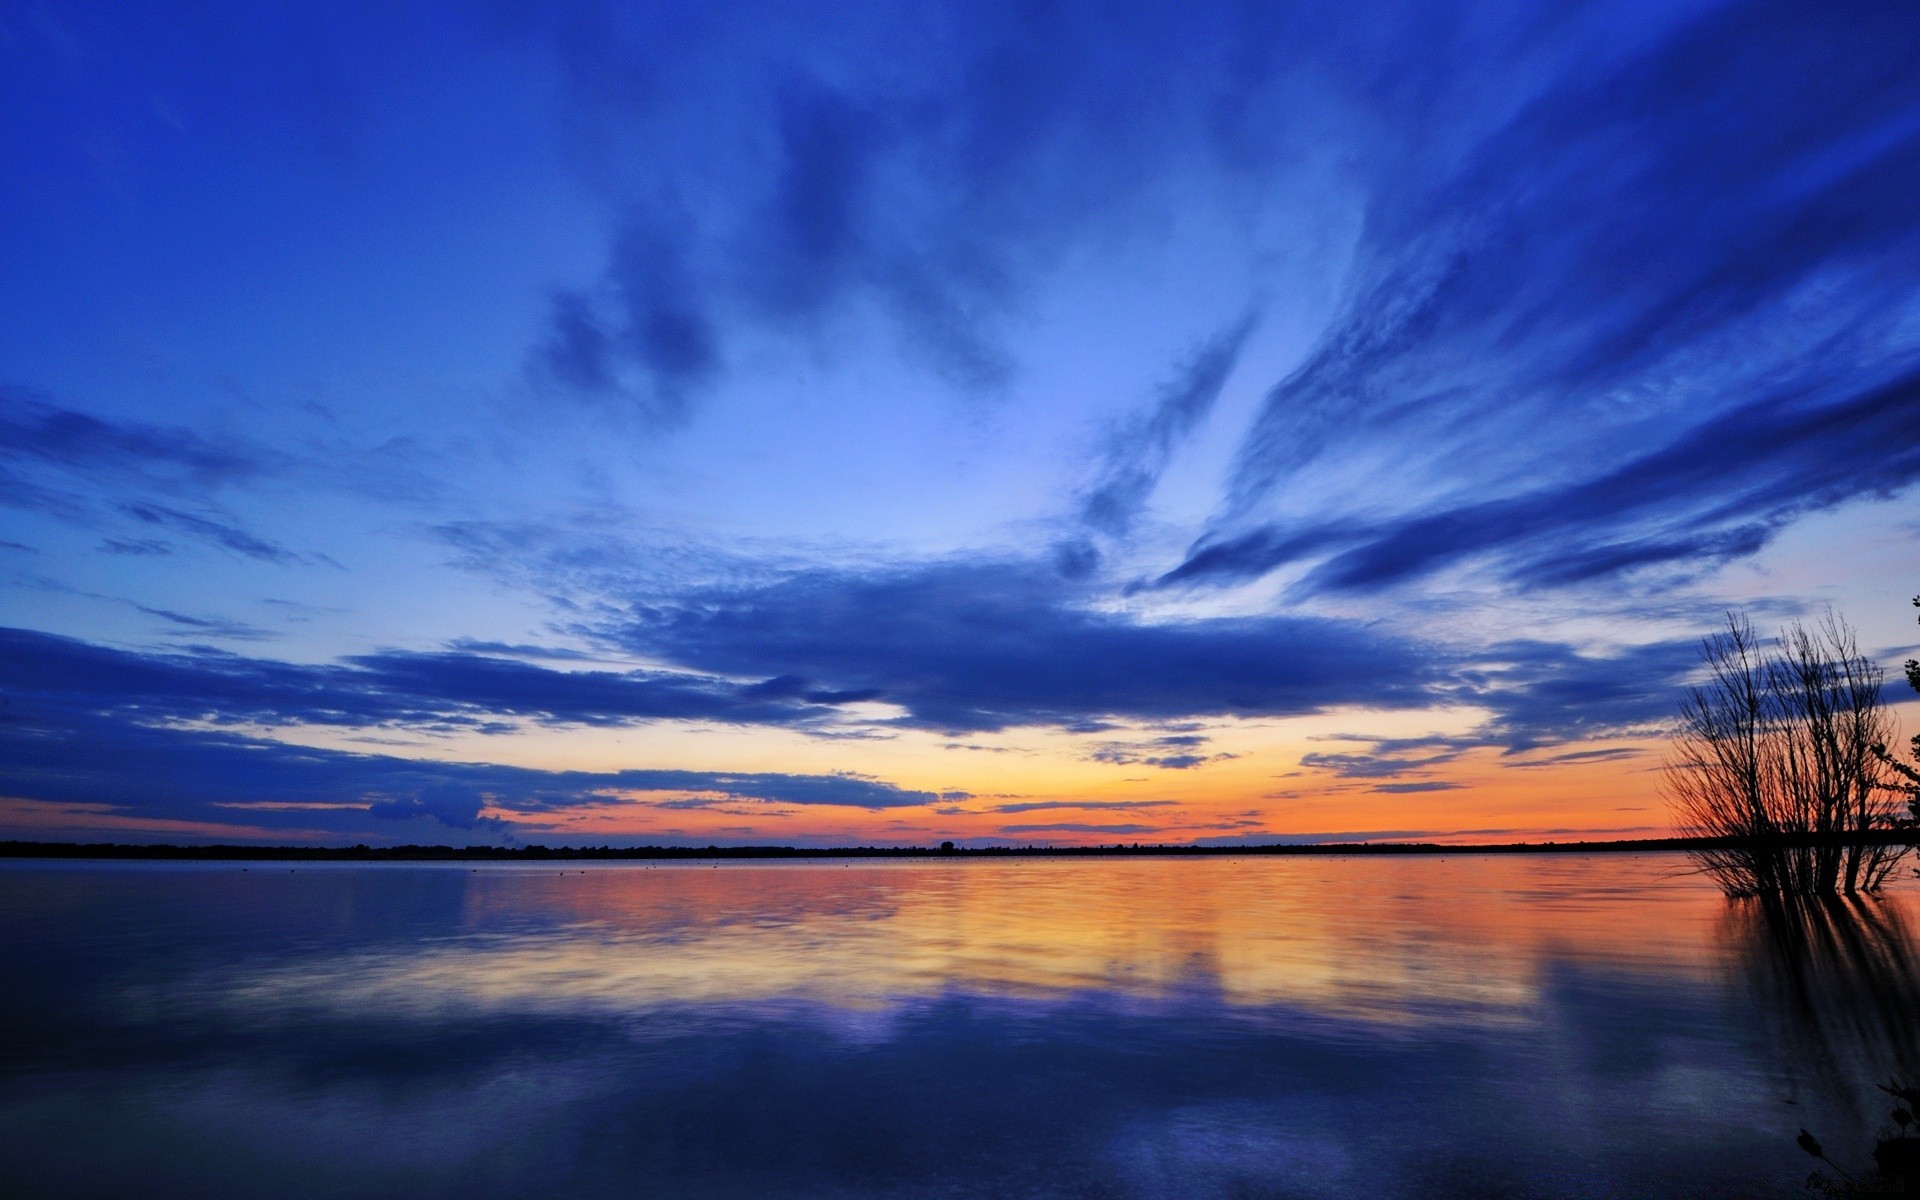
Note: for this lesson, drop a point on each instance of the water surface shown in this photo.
(1542, 1025)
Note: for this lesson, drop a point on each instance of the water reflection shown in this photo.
(1409, 943)
(1539, 1026)
(1835, 984)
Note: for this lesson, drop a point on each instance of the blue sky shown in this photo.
(885, 422)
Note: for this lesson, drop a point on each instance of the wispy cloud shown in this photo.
(1079, 827)
(1639, 318)
(786, 191)
(220, 627)
(1140, 449)
(1716, 492)
(219, 532)
(1079, 805)
(71, 756)
(32, 427)
(436, 690)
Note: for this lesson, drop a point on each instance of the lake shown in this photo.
(1538, 1025)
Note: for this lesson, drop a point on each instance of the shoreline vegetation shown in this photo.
(536, 853)
(1781, 759)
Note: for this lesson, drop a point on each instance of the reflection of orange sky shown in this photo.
(1394, 941)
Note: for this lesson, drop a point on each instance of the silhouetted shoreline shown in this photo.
(411, 853)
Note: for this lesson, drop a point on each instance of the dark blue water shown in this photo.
(1541, 1026)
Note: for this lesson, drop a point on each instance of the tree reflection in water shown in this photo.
(1836, 986)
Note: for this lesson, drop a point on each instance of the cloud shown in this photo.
(1716, 492)
(1387, 757)
(968, 645)
(928, 171)
(452, 805)
(976, 646)
(1174, 752)
(1577, 757)
(517, 650)
(1639, 316)
(33, 428)
(1139, 451)
(46, 451)
(1546, 693)
(220, 533)
(1078, 827)
(98, 471)
(89, 724)
(136, 547)
(980, 646)
(444, 690)
(206, 626)
(1537, 695)
(1087, 805)
(643, 335)
(65, 754)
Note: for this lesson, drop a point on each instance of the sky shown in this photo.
(728, 423)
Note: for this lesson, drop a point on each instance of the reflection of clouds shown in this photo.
(1836, 986)
(1409, 942)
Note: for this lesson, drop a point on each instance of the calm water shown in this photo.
(1566, 1026)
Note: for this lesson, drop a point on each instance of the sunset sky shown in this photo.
(735, 423)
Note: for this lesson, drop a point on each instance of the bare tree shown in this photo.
(1779, 760)
(1907, 774)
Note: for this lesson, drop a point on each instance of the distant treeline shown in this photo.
(108, 850)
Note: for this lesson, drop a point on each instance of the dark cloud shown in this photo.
(453, 805)
(1547, 693)
(1174, 752)
(931, 169)
(981, 646)
(89, 724)
(965, 647)
(1252, 554)
(429, 691)
(1538, 695)
(63, 753)
(1079, 805)
(1577, 757)
(219, 532)
(33, 428)
(971, 645)
(57, 461)
(643, 336)
(1386, 758)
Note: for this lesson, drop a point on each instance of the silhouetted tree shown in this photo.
(1907, 774)
(1780, 755)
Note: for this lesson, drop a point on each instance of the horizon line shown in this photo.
(412, 852)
